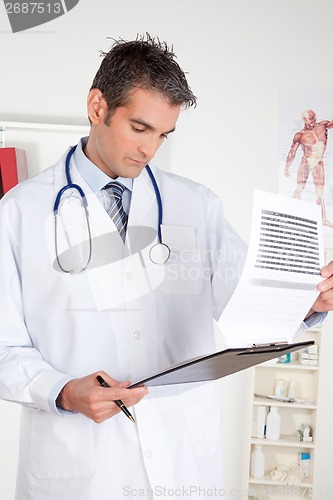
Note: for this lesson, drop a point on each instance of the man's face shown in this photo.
(134, 134)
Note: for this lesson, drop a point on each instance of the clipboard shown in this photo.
(219, 364)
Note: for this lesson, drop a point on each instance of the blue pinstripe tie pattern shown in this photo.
(116, 210)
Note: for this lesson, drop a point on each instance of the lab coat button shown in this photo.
(138, 335)
(128, 276)
(148, 454)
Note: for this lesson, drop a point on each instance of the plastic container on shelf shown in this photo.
(292, 389)
(280, 388)
(257, 461)
(273, 424)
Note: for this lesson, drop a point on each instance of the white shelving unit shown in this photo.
(286, 450)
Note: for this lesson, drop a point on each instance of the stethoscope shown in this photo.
(159, 253)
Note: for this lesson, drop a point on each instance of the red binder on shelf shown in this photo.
(13, 168)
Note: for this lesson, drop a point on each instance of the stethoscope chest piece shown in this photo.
(159, 253)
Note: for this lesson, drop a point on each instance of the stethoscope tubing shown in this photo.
(159, 203)
(71, 185)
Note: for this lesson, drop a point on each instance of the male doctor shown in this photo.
(120, 315)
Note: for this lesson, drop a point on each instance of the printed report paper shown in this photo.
(278, 284)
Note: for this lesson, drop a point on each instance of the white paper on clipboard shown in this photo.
(278, 284)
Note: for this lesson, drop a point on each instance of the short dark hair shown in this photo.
(147, 63)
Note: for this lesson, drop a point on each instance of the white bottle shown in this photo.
(280, 388)
(292, 389)
(273, 424)
(257, 461)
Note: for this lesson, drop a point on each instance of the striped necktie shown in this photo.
(116, 211)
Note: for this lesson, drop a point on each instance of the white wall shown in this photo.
(238, 54)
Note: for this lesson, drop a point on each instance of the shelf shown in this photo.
(44, 126)
(268, 481)
(285, 440)
(293, 365)
(281, 404)
(288, 447)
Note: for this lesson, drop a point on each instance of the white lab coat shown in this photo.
(57, 326)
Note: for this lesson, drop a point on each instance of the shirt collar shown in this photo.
(94, 176)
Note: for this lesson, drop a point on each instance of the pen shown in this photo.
(118, 402)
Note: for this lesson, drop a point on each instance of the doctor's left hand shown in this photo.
(324, 302)
(84, 395)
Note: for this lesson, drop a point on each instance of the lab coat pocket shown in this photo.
(201, 408)
(61, 446)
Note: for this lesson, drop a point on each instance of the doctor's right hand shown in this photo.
(85, 395)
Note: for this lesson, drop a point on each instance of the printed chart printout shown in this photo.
(278, 284)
